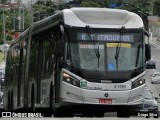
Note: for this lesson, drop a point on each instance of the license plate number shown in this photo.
(105, 101)
(120, 87)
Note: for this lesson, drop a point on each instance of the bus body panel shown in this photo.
(70, 93)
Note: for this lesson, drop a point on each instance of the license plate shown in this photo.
(105, 101)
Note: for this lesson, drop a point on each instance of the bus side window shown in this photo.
(50, 47)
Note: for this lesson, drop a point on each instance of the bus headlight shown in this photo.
(137, 83)
(71, 80)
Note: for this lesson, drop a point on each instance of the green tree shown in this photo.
(42, 9)
(9, 22)
(156, 7)
(3, 1)
(1, 32)
(140, 7)
(86, 3)
(95, 3)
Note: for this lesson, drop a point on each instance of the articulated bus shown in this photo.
(78, 61)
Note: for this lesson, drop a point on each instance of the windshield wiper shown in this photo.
(69, 55)
(96, 49)
(137, 57)
(119, 45)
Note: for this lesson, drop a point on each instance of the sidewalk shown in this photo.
(2, 65)
(154, 40)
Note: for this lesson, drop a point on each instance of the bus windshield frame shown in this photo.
(84, 58)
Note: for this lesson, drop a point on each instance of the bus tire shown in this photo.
(32, 99)
(157, 113)
(49, 111)
(51, 96)
(56, 113)
(99, 114)
(123, 113)
(89, 114)
(60, 112)
(11, 102)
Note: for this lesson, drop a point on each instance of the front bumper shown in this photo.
(71, 95)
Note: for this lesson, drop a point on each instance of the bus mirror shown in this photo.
(62, 29)
(156, 98)
(148, 51)
(146, 33)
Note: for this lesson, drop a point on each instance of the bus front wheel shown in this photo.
(32, 99)
(123, 113)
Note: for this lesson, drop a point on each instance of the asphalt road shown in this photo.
(155, 55)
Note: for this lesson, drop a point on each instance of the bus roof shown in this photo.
(101, 17)
(94, 17)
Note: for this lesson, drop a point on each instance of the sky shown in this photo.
(23, 1)
(26, 1)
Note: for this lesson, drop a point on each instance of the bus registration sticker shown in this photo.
(124, 45)
(105, 101)
(83, 84)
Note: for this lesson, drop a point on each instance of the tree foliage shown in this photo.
(156, 7)
(42, 9)
(86, 3)
(141, 7)
(95, 3)
(11, 20)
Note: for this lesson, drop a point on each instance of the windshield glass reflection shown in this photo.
(83, 56)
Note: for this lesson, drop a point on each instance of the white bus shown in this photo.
(84, 61)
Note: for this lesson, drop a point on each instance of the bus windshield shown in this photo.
(131, 53)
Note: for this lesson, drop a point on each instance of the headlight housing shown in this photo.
(71, 80)
(138, 83)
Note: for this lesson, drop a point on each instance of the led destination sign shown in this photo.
(106, 37)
